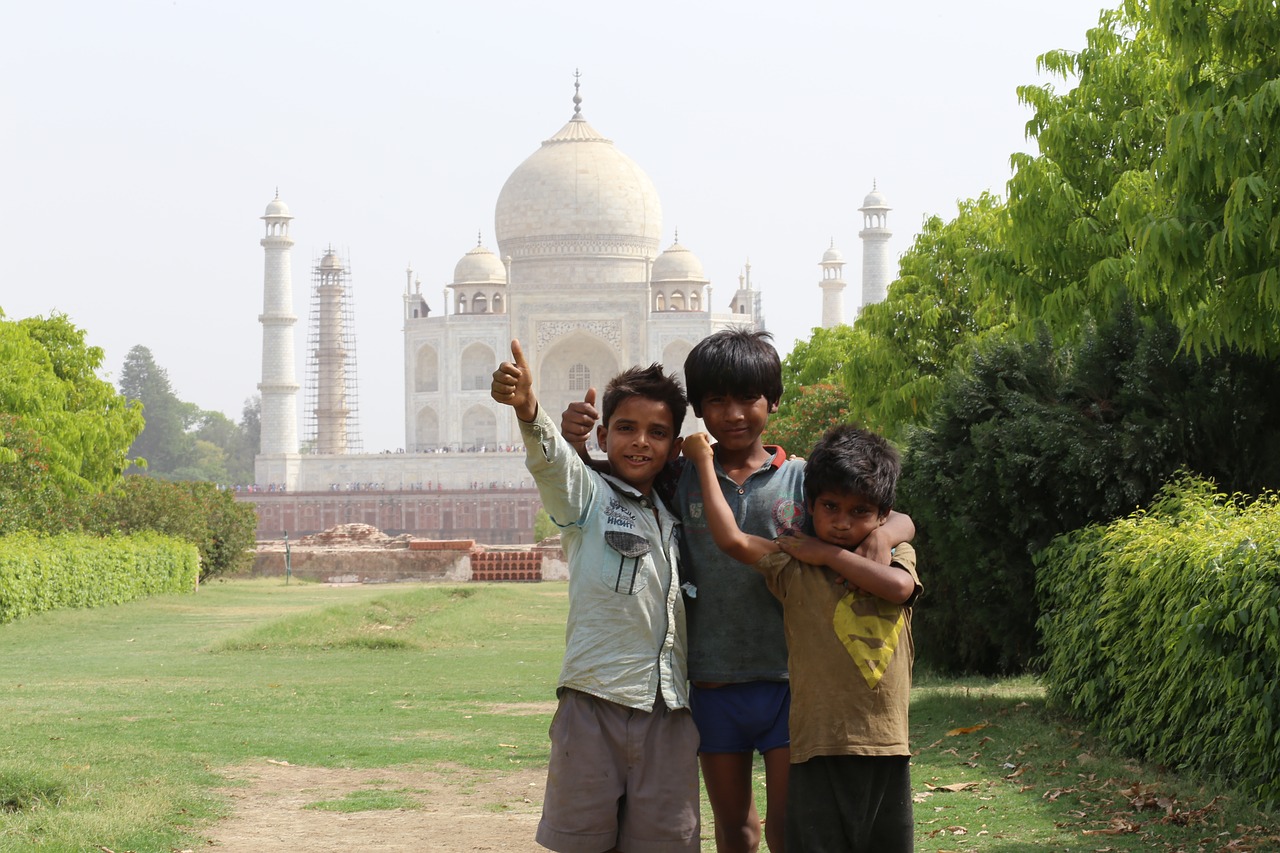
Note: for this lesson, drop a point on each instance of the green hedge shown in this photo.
(40, 573)
(1163, 630)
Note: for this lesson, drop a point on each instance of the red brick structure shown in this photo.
(506, 565)
(492, 516)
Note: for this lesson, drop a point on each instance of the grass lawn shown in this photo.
(114, 723)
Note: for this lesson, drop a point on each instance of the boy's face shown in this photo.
(639, 440)
(844, 518)
(735, 421)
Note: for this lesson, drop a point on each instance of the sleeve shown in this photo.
(904, 557)
(773, 567)
(565, 483)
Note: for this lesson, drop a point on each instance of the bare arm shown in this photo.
(724, 527)
(882, 580)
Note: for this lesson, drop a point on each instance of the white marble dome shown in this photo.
(578, 194)
(875, 198)
(277, 208)
(331, 261)
(677, 264)
(479, 266)
(832, 256)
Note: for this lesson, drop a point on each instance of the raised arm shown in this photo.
(513, 385)
(724, 527)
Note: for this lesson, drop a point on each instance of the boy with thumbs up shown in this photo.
(623, 770)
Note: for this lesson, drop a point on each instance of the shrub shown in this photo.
(39, 573)
(201, 513)
(1162, 630)
(1035, 440)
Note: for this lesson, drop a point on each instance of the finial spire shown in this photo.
(479, 241)
(577, 99)
(677, 235)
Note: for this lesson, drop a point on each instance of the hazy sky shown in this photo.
(141, 142)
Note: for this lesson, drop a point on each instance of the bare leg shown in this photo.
(728, 779)
(777, 766)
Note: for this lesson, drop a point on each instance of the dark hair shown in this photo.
(856, 461)
(734, 361)
(649, 382)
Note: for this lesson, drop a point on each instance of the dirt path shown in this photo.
(456, 810)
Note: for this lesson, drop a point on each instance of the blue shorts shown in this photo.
(746, 717)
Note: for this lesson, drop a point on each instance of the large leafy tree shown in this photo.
(1158, 177)
(1069, 238)
(1212, 257)
(62, 416)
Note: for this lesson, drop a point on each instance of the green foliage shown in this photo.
(1037, 440)
(812, 411)
(181, 441)
(1212, 258)
(1068, 242)
(201, 513)
(29, 499)
(76, 425)
(74, 570)
(1158, 177)
(543, 526)
(891, 362)
(1163, 630)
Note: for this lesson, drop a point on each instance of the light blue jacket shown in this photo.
(625, 639)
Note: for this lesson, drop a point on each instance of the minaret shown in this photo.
(878, 269)
(278, 388)
(747, 299)
(331, 355)
(832, 285)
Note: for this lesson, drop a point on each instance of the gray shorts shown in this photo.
(620, 778)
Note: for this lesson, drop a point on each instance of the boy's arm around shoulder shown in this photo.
(889, 581)
(728, 537)
(878, 546)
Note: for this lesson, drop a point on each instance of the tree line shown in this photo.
(72, 448)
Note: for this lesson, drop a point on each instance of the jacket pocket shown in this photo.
(629, 573)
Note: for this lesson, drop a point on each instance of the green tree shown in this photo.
(29, 499)
(1212, 257)
(1038, 439)
(77, 424)
(164, 446)
(1068, 241)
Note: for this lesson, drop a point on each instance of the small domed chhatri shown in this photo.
(276, 207)
(479, 266)
(677, 264)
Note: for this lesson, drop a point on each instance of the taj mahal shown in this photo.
(579, 277)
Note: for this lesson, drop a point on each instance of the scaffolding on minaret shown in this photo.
(332, 411)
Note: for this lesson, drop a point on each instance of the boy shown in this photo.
(622, 772)
(737, 649)
(850, 652)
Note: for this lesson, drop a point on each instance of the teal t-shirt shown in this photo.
(734, 621)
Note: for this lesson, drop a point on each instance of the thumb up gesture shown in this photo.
(513, 385)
